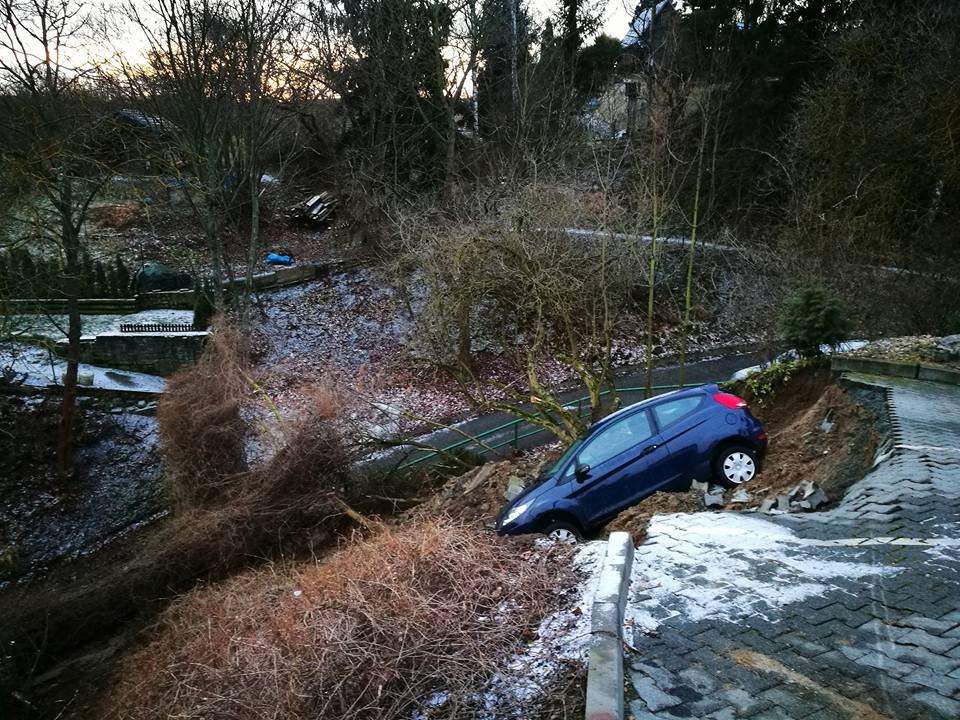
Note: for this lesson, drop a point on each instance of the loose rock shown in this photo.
(713, 497)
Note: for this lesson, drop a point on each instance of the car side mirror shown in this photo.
(582, 472)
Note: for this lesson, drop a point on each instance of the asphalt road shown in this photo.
(711, 367)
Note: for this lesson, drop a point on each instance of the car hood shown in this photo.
(528, 494)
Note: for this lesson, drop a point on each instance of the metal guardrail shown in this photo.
(156, 327)
(514, 441)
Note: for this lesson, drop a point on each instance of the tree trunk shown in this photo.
(71, 247)
(451, 154)
(694, 226)
(254, 246)
(650, 294)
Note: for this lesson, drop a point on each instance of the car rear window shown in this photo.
(673, 410)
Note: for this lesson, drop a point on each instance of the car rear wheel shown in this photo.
(563, 533)
(735, 466)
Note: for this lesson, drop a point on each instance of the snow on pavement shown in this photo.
(729, 565)
(54, 326)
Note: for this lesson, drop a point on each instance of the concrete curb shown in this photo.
(605, 666)
(915, 371)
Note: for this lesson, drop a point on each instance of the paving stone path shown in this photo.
(849, 613)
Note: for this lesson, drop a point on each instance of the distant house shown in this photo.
(140, 137)
(652, 33)
(653, 39)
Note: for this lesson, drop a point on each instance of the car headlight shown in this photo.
(516, 512)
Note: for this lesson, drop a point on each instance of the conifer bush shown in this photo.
(813, 317)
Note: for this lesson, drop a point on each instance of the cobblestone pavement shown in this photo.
(849, 613)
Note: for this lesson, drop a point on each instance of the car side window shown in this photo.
(673, 410)
(617, 438)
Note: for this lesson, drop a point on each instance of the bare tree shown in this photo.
(189, 85)
(50, 162)
(271, 38)
(541, 298)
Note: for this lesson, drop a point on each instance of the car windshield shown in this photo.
(571, 451)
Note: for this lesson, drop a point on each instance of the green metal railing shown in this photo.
(517, 436)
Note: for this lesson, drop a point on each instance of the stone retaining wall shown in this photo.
(58, 306)
(169, 299)
(153, 353)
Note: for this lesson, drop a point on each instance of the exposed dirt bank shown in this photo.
(818, 432)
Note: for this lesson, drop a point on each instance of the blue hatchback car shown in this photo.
(663, 443)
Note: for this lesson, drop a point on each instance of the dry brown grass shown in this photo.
(119, 216)
(373, 632)
(226, 504)
(225, 517)
(201, 430)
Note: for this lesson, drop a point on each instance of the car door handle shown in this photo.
(647, 450)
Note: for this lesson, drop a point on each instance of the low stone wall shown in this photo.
(916, 371)
(166, 300)
(185, 299)
(605, 663)
(153, 353)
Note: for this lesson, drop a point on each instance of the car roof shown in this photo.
(630, 409)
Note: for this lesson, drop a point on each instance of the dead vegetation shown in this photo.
(201, 430)
(224, 517)
(417, 617)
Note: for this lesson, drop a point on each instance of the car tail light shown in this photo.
(762, 436)
(730, 401)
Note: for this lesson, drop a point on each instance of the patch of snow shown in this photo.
(42, 368)
(54, 326)
(743, 566)
(562, 637)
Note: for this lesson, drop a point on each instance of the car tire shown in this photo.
(735, 465)
(563, 533)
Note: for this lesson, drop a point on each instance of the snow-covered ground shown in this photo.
(722, 550)
(843, 347)
(38, 368)
(54, 326)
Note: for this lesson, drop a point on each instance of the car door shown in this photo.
(623, 458)
(679, 422)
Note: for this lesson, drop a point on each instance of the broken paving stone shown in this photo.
(813, 501)
(783, 503)
(767, 505)
(480, 476)
(740, 496)
(514, 488)
(827, 425)
(713, 497)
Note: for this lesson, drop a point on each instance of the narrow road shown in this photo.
(851, 613)
(717, 366)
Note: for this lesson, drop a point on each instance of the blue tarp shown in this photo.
(275, 259)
